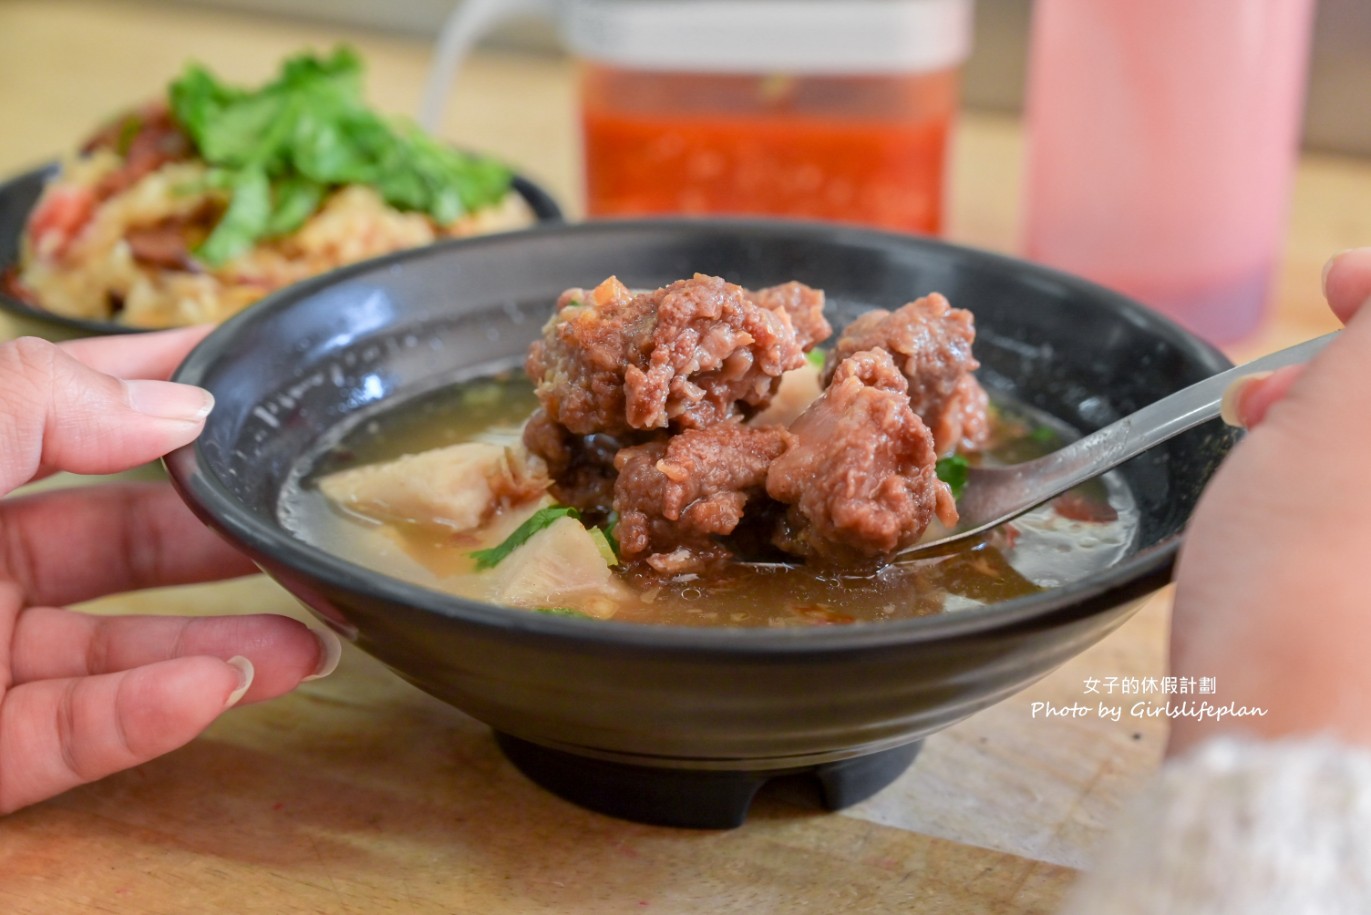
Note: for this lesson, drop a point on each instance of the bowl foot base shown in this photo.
(693, 798)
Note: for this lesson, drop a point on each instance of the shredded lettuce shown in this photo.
(279, 148)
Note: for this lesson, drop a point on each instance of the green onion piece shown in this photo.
(611, 532)
(952, 470)
(542, 518)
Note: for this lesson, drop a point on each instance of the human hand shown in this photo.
(1272, 595)
(83, 696)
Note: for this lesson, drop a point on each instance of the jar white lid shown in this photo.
(769, 36)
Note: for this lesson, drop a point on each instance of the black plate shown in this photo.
(17, 198)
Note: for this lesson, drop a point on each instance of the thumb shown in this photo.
(58, 414)
(57, 734)
(1249, 398)
(1347, 282)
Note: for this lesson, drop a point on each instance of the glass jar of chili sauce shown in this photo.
(796, 108)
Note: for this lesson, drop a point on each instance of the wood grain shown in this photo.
(360, 793)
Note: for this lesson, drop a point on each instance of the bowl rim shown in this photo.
(545, 209)
(204, 491)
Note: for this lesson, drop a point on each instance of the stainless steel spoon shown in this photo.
(993, 495)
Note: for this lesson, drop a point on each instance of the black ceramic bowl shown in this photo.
(19, 194)
(672, 724)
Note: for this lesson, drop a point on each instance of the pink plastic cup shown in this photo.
(1161, 143)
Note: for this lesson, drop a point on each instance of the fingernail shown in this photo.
(245, 675)
(169, 400)
(1230, 407)
(1328, 268)
(330, 653)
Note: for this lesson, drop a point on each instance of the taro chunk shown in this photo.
(456, 488)
(562, 567)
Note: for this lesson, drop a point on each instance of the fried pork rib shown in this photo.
(616, 369)
(677, 497)
(930, 342)
(860, 477)
(645, 400)
(685, 356)
(581, 466)
(802, 305)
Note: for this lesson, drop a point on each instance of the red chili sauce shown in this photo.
(858, 149)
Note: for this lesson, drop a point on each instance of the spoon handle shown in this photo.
(1087, 457)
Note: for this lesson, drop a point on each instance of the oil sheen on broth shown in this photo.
(1080, 533)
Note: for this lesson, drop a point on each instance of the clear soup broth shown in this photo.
(1074, 536)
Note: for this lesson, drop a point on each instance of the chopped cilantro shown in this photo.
(561, 611)
(247, 217)
(542, 518)
(1043, 435)
(279, 148)
(952, 470)
(817, 358)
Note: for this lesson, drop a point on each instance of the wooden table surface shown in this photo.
(358, 793)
